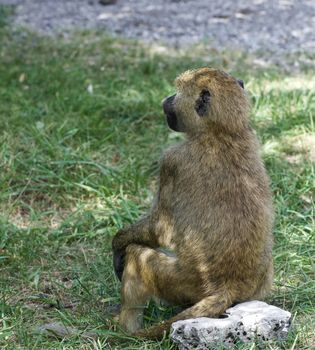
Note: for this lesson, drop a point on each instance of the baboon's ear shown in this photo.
(240, 83)
(203, 103)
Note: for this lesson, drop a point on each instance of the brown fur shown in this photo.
(213, 210)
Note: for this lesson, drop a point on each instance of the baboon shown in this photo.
(213, 211)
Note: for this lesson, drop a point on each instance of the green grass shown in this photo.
(76, 166)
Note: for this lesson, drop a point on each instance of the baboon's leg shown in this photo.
(211, 306)
(149, 272)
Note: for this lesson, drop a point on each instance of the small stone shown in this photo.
(245, 322)
(61, 331)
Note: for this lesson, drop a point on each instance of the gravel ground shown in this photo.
(282, 26)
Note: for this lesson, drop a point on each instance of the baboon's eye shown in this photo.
(203, 103)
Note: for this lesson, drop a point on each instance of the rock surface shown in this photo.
(245, 322)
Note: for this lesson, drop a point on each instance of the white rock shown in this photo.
(245, 322)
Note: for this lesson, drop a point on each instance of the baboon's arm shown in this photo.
(143, 232)
(138, 233)
(152, 230)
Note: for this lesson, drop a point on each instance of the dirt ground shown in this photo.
(259, 25)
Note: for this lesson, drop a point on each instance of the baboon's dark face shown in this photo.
(174, 113)
(206, 97)
(169, 110)
(174, 117)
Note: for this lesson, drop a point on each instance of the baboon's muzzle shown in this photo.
(168, 107)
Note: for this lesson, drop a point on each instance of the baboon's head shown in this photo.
(207, 98)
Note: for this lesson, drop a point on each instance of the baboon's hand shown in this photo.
(119, 262)
(119, 253)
